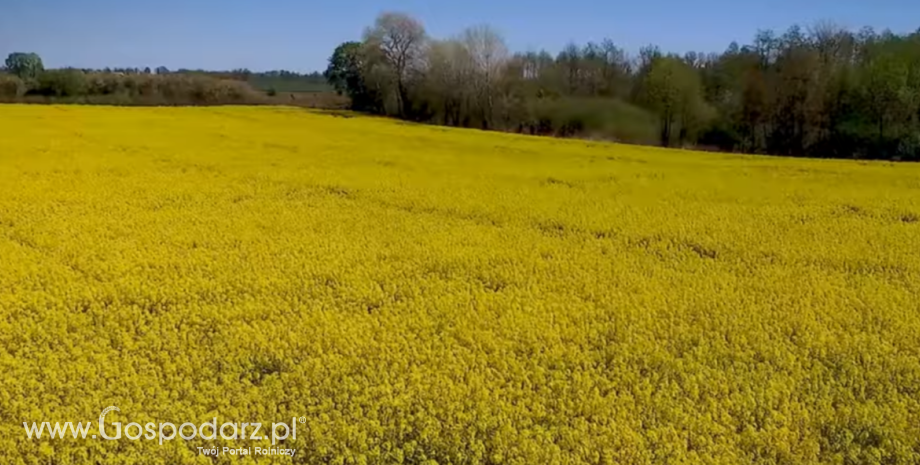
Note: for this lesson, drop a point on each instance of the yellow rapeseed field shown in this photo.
(414, 294)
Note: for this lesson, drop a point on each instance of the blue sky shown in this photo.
(299, 35)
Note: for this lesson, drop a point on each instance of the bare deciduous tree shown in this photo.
(820, 91)
(448, 78)
(489, 56)
(401, 40)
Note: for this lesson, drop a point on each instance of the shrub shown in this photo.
(909, 148)
(598, 118)
(104, 84)
(75, 86)
(11, 87)
(61, 83)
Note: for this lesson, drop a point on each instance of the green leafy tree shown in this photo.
(672, 90)
(401, 40)
(25, 65)
(61, 83)
(344, 70)
(360, 72)
(886, 92)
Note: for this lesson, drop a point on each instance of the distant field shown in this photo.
(324, 100)
(428, 295)
(289, 85)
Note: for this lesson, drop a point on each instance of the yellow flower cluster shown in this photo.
(429, 295)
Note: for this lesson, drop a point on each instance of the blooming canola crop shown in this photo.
(427, 295)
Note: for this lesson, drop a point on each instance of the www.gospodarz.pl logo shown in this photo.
(229, 431)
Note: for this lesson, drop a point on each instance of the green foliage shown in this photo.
(11, 86)
(77, 86)
(60, 83)
(24, 65)
(909, 147)
(591, 117)
(829, 92)
(344, 68)
(349, 72)
(672, 90)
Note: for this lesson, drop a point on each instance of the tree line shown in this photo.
(822, 91)
(24, 78)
